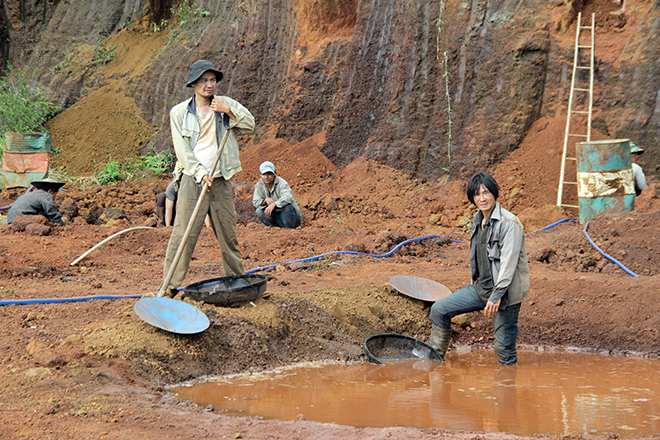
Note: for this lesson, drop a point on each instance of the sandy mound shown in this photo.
(117, 129)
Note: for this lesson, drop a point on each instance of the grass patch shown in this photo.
(112, 172)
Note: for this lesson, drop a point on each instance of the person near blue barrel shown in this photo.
(499, 273)
(639, 179)
(274, 200)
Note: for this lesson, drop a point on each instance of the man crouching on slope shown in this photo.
(500, 275)
(197, 125)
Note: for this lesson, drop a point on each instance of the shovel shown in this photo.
(193, 217)
(169, 314)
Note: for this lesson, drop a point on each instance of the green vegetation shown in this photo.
(113, 171)
(103, 55)
(23, 106)
(158, 162)
(181, 15)
(339, 220)
(110, 172)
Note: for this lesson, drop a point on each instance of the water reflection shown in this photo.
(547, 393)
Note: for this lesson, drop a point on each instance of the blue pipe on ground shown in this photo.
(11, 302)
(304, 260)
(318, 257)
(628, 271)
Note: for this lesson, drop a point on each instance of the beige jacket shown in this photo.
(185, 133)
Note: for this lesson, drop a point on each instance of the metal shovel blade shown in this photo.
(172, 315)
(419, 288)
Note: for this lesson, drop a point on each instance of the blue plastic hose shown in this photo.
(558, 223)
(11, 302)
(628, 271)
(318, 257)
(555, 224)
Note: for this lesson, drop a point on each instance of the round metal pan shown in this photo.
(419, 288)
(172, 315)
(393, 347)
(227, 290)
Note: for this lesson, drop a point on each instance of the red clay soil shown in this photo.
(93, 369)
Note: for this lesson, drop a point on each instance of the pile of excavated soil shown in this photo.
(103, 127)
(301, 165)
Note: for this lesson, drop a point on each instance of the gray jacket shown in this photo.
(281, 194)
(36, 202)
(507, 255)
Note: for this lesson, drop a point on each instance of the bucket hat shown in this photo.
(198, 68)
(48, 184)
(635, 149)
(267, 167)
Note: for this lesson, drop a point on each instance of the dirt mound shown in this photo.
(302, 164)
(626, 238)
(105, 126)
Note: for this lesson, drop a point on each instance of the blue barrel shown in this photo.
(604, 178)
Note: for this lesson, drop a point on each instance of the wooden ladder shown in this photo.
(577, 69)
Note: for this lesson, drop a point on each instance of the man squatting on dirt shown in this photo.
(197, 126)
(274, 200)
(500, 274)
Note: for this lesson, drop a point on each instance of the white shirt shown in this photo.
(206, 147)
(639, 178)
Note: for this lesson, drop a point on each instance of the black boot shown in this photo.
(439, 340)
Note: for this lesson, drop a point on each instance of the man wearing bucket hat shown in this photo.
(40, 201)
(197, 125)
(274, 200)
(638, 174)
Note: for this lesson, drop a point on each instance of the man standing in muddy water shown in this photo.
(197, 126)
(499, 273)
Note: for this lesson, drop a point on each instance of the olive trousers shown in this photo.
(219, 205)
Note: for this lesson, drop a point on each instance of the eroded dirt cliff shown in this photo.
(377, 78)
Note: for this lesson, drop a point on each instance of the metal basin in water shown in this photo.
(392, 347)
(227, 290)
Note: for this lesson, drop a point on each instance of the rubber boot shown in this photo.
(439, 340)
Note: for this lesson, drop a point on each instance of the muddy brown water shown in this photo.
(546, 393)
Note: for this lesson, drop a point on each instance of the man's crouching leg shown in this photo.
(464, 300)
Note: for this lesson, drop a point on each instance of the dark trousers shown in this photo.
(467, 300)
(286, 217)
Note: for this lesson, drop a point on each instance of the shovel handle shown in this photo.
(191, 222)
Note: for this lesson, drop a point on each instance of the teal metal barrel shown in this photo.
(604, 178)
